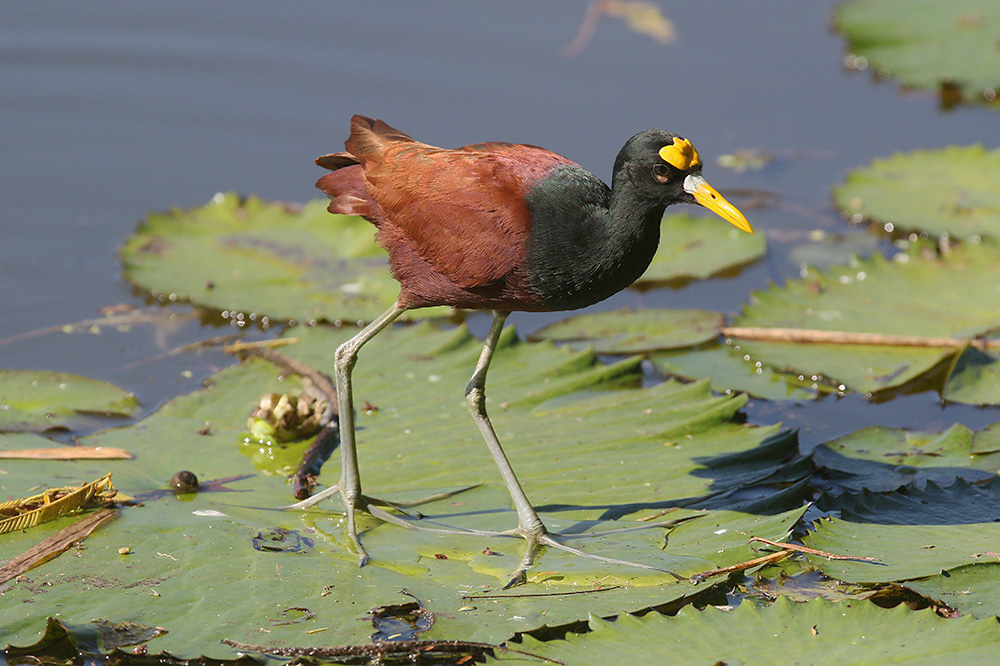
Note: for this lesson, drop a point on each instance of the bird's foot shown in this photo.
(535, 540)
(350, 505)
(373, 506)
(535, 537)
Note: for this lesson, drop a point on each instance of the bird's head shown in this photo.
(664, 168)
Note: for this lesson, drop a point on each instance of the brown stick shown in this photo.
(55, 545)
(850, 338)
(380, 649)
(742, 566)
(69, 453)
(813, 551)
(541, 594)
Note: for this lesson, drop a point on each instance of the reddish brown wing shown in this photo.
(463, 211)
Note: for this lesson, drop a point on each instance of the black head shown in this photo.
(662, 168)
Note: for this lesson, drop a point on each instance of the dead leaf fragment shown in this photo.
(69, 453)
(55, 545)
(28, 512)
(643, 18)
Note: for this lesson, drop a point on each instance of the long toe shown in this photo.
(520, 575)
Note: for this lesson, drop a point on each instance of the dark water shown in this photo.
(111, 109)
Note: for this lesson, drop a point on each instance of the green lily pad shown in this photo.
(684, 429)
(987, 440)
(698, 247)
(905, 552)
(824, 250)
(974, 378)
(593, 456)
(636, 331)
(669, 332)
(881, 458)
(819, 633)
(271, 259)
(972, 589)
(731, 371)
(38, 400)
(942, 191)
(914, 532)
(927, 44)
(917, 293)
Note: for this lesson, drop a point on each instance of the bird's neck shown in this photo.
(587, 251)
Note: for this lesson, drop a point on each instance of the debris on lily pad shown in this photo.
(20, 514)
(286, 417)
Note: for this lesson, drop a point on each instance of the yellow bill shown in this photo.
(709, 197)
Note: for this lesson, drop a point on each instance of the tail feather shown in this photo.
(334, 161)
(346, 184)
(370, 138)
(347, 192)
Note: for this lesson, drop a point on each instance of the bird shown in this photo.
(501, 227)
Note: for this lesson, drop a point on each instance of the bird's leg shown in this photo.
(350, 479)
(529, 525)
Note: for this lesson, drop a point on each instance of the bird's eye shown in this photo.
(661, 172)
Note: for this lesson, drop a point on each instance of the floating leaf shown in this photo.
(748, 159)
(698, 247)
(905, 552)
(972, 589)
(593, 457)
(927, 44)
(636, 331)
(987, 440)
(36, 400)
(682, 427)
(730, 370)
(943, 191)
(914, 532)
(974, 378)
(918, 293)
(669, 331)
(881, 458)
(267, 258)
(824, 250)
(819, 633)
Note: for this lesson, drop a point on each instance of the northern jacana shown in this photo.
(501, 227)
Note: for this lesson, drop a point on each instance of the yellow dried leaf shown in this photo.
(28, 512)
